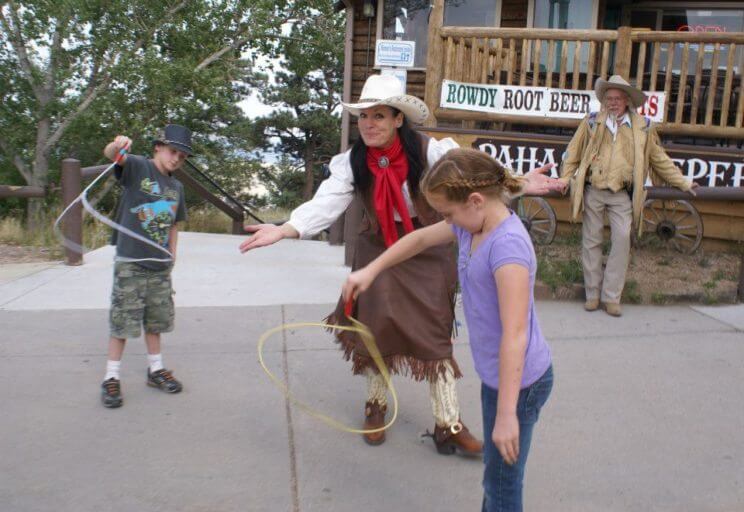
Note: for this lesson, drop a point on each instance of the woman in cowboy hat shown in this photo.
(410, 307)
(606, 164)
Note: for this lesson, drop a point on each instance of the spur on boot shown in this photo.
(456, 438)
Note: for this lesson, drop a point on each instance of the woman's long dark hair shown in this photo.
(411, 141)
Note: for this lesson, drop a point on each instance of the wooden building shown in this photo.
(689, 52)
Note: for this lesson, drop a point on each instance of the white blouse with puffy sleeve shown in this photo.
(336, 192)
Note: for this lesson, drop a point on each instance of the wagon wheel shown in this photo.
(538, 218)
(675, 223)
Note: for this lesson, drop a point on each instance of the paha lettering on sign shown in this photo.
(708, 167)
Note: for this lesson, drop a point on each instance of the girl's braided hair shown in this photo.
(460, 172)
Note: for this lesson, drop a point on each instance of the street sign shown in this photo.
(394, 53)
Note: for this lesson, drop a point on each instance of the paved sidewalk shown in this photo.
(646, 412)
(210, 271)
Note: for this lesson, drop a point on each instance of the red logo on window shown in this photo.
(701, 28)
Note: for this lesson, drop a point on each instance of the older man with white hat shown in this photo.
(606, 165)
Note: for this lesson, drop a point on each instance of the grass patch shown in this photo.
(273, 215)
(722, 275)
(631, 293)
(710, 285)
(606, 247)
(205, 219)
(208, 219)
(708, 295)
(659, 298)
(664, 262)
(709, 299)
(14, 231)
(559, 273)
(572, 237)
(649, 241)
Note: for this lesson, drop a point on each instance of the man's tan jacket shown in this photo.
(649, 158)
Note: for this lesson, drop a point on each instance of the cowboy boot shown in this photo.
(457, 437)
(374, 417)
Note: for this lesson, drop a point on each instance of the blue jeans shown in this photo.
(502, 483)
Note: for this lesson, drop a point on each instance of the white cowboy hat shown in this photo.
(637, 97)
(388, 90)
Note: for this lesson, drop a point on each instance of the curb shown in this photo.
(544, 292)
(575, 292)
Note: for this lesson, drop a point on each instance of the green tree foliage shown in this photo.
(306, 90)
(74, 73)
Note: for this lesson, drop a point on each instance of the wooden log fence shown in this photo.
(700, 97)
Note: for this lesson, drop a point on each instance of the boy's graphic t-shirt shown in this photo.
(508, 243)
(151, 203)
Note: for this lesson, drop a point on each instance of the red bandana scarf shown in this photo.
(390, 169)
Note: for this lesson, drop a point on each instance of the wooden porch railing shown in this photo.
(701, 96)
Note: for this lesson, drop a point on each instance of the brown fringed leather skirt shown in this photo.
(410, 310)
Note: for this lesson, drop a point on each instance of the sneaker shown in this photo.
(111, 393)
(164, 380)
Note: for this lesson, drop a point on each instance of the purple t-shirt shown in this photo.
(508, 243)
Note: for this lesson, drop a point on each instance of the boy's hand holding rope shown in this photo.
(83, 198)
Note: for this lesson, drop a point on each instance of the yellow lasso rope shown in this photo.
(369, 342)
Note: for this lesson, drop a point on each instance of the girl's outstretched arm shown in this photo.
(513, 284)
(405, 248)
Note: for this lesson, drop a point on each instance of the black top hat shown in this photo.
(176, 136)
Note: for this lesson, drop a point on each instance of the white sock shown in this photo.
(155, 361)
(112, 370)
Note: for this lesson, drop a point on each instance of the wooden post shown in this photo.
(741, 278)
(623, 52)
(434, 61)
(237, 227)
(72, 225)
(348, 69)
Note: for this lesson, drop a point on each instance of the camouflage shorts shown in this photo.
(140, 296)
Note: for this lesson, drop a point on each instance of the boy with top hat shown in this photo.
(152, 204)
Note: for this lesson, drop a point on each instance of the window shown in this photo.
(568, 14)
(407, 20)
(703, 20)
(565, 14)
(645, 18)
(472, 13)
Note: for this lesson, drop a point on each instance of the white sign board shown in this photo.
(394, 53)
(534, 101)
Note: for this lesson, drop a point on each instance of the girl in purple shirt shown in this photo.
(497, 268)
